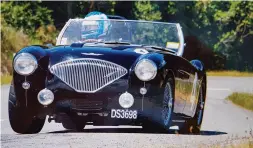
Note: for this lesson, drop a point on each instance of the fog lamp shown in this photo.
(45, 97)
(143, 90)
(26, 85)
(126, 100)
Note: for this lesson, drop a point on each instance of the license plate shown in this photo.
(123, 114)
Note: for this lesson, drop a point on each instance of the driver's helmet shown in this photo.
(93, 27)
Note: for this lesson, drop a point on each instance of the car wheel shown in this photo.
(168, 104)
(166, 112)
(73, 125)
(194, 125)
(22, 121)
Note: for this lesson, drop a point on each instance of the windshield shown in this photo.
(166, 35)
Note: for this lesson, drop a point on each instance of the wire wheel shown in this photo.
(167, 104)
(201, 107)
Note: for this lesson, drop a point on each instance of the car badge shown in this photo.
(94, 54)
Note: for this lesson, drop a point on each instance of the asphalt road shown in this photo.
(223, 123)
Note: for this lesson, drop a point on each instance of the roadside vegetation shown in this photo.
(23, 24)
(244, 100)
(232, 73)
(6, 79)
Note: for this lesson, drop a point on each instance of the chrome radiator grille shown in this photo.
(87, 74)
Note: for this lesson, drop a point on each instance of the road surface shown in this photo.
(223, 123)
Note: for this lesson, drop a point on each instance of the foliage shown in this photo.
(27, 16)
(225, 27)
(244, 100)
(146, 10)
(6, 79)
(11, 41)
(236, 26)
(30, 17)
(46, 34)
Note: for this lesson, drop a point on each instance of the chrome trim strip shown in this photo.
(12, 103)
(88, 75)
(181, 41)
(58, 40)
(23, 54)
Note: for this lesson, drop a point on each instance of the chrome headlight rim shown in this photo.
(130, 100)
(151, 62)
(25, 54)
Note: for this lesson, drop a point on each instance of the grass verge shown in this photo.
(233, 73)
(6, 79)
(244, 100)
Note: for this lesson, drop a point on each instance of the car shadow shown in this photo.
(134, 130)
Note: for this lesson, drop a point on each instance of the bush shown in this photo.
(46, 34)
(26, 15)
(12, 40)
(23, 24)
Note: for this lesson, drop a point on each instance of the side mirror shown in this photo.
(197, 64)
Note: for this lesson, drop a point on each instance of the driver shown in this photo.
(95, 27)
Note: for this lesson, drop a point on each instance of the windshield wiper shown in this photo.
(160, 48)
(116, 42)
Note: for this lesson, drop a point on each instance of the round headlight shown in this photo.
(25, 64)
(145, 70)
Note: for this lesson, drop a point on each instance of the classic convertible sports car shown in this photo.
(108, 72)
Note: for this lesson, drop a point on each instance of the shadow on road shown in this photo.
(133, 130)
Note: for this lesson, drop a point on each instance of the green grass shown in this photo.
(244, 100)
(233, 73)
(6, 79)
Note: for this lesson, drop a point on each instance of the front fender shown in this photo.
(36, 79)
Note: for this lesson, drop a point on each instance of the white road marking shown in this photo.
(219, 89)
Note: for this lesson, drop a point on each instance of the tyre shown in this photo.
(70, 124)
(193, 125)
(166, 112)
(168, 104)
(22, 121)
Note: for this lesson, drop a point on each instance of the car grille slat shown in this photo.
(86, 74)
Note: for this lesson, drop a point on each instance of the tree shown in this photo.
(27, 16)
(224, 27)
(146, 10)
(236, 24)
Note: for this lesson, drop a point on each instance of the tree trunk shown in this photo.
(69, 9)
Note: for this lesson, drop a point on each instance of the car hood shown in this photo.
(124, 56)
